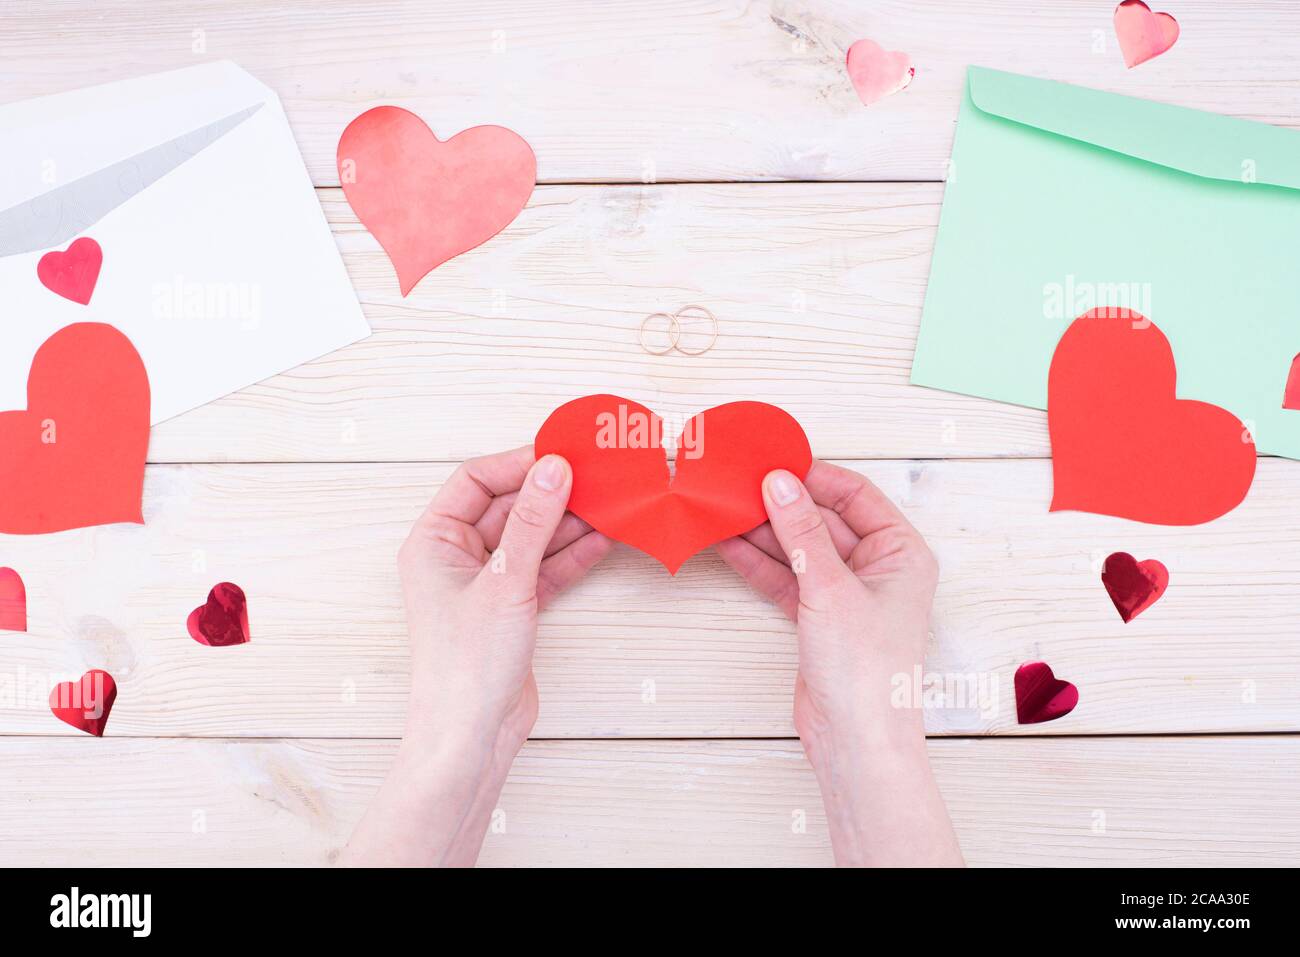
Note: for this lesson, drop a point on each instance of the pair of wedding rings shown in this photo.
(675, 330)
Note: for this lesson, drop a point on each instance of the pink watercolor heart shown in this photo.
(1143, 35)
(877, 73)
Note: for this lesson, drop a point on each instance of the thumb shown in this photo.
(532, 522)
(801, 530)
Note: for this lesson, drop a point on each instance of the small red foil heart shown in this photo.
(73, 272)
(1291, 398)
(13, 601)
(85, 704)
(622, 486)
(1123, 444)
(1041, 696)
(223, 620)
(1133, 586)
(1143, 35)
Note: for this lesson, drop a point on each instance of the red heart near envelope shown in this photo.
(427, 200)
(73, 272)
(622, 485)
(1123, 444)
(75, 457)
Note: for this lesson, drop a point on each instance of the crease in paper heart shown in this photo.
(1133, 586)
(85, 704)
(876, 72)
(74, 272)
(623, 488)
(1291, 396)
(1123, 444)
(13, 601)
(428, 200)
(75, 456)
(223, 619)
(1041, 696)
(1142, 34)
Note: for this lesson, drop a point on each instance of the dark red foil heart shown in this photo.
(1133, 586)
(223, 620)
(1041, 696)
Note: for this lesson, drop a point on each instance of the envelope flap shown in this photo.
(1192, 141)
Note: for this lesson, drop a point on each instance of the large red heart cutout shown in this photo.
(73, 272)
(75, 457)
(1122, 444)
(1133, 586)
(1041, 696)
(426, 200)
(85, 704)
(223, 619)
(622, 485)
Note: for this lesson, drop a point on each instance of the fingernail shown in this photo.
(782, 488)
(549, 473)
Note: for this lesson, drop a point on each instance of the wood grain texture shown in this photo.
(817, 287)
(665, 89)
(633, 652)
(1141, 801)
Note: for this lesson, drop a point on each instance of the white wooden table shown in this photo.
(691, 151)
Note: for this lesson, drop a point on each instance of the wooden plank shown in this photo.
(633, 652)
(664, 89)
(818, 290)
(1136, 801)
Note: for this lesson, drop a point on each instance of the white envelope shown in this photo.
(217, 260)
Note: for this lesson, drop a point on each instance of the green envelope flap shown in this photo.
(1192, 141)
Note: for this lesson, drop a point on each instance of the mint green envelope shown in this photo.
(1061, 199)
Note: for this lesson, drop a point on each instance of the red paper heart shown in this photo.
(223, 620)
(426, 200)
(13, 601)
(877, 73)
(1122, 444)
(1142, 34)
(72, 273)
(1291, 397)
(621, 482)
(1041, 696)
(75, 457)
(1133, 586)
(85, 704)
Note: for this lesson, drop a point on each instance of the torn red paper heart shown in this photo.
(1291, 397)
(223, 619)
(1133, 586)
(75, 457)
(426, 200)
(85, 704)
(877, 73)
(72, 273)
(1041, 696)
(1122, 444)
(1143, 35)
(622, 485)
(13, 601)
